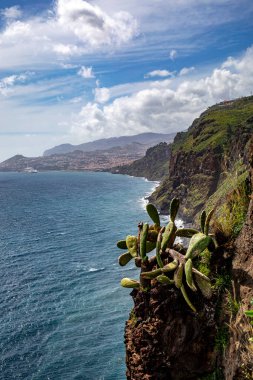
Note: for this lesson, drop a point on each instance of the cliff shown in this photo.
(153, 166)
(210, 166)
(165, 340)
(238, 356)
(203, 157)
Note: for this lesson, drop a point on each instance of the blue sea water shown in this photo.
(62, 310)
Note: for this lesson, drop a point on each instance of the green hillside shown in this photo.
(212, 153)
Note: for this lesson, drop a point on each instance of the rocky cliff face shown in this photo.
(202, 157)
(153, 166)
(238, 357)
(164, 339)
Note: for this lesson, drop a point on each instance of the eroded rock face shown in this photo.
(239, 354)
(165, 340)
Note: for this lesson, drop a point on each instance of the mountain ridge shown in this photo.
(148, 139)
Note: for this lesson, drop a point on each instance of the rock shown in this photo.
(169, 341)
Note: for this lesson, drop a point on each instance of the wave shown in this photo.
(144, 200)
(96, 269)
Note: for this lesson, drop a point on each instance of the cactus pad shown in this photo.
(153, 213)
(132, 245)
(197, 244)
(174, 206)
(129, 283)
(125, 258)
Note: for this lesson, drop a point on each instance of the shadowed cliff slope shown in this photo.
(164, 339)
(153, 166)
(211, 153)
(202, 157)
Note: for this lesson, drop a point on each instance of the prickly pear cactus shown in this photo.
(169, 266)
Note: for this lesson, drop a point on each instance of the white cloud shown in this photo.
(68, 66)
(12, 12)
(159, 73)
(7, 83)
(65, 49)
(186, 70)
(102, 95)
(86, 72)
(161, 108)
(77, 99)
(173, 54)
(90, 24)
(74, 28)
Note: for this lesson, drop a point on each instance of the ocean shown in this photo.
(62, 309)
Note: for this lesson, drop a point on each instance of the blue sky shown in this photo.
(76, 71)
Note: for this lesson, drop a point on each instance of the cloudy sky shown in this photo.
(75, 71)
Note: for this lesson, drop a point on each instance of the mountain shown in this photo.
(147, 139)
(78, 160)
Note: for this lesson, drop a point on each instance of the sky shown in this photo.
(73, 71)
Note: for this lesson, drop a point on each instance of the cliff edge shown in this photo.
(164, 338)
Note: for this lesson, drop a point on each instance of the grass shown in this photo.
(231, 201)
(132, 318)
(232, 304)
(203, 263)
(222, 338)
(215, 126)
(222, 282)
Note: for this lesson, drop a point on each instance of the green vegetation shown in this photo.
(214, 127)
(154, 165)
(169, 266)
(249, 313)
(222, 281)
(132, 318)
(204, 164)
(233, 305)
(222, 338)
(231, 201)
(203, 262)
